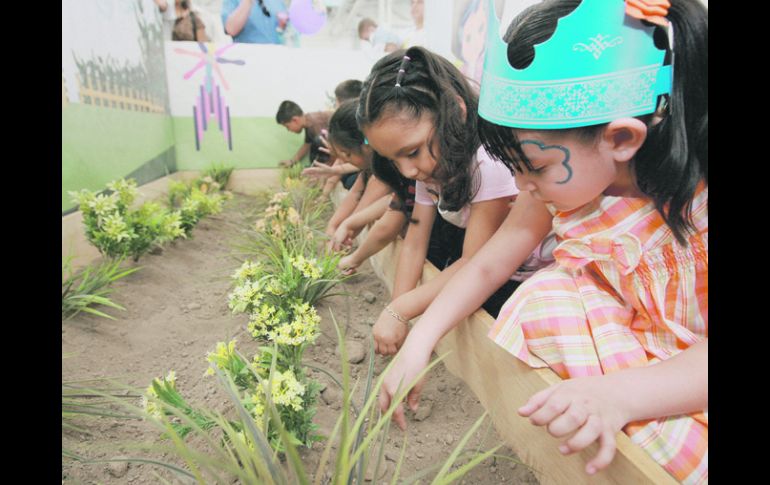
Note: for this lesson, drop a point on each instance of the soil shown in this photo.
(176, 312)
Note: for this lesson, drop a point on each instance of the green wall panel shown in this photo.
(103, 144)
(257, 143)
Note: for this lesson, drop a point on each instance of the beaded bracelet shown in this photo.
(396, 315)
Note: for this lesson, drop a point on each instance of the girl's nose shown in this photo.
(408, 169)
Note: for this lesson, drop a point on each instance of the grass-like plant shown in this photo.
(219, 174)
(82, 290)
(237, 448)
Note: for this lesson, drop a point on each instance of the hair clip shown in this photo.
(402, 70)
(653, 11)
(366, 141)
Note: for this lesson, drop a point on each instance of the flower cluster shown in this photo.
(167, 384)
(265, 320)
(308, 267)
(248, 271)
(246, 297)
(285, 390)
(304, 326)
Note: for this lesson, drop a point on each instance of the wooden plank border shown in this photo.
(487, 369)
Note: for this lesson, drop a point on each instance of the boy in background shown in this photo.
(315, 124)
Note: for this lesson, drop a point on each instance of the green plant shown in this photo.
(237, 448)
(80, 401)
(198, 205)
(178, 190)
(118, 231)
(90, 286)
(220, 174)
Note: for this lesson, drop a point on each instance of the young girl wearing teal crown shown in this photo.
(586, 102)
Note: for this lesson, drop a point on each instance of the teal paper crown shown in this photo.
(598, 66)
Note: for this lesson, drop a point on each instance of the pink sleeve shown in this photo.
(421, 195)
(496, 180)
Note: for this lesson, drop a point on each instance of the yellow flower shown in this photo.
(247, 271)
(278, 197)
(306, 266)
(303, 328)
(285, 390)
(293, 217)
(222, 356)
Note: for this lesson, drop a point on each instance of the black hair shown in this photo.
(347, 90)
(343, 128)
(286, 111)
(344, 132)
(674, 157)
(429, 86)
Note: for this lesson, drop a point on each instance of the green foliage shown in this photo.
(241, 448)
(178, 190)
(118, 231)
(90, 286)
(198, 205)
(220, 174)
(164, 390)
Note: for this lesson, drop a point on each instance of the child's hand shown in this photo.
(389, 334)
(348, 265)
(409, 363)
(584, 408)
(319, 169)
(327, 147)
(286, 163)
(342, 238)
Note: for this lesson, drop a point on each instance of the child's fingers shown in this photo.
(399, 418)
(384, 398)
(572, 419)
(605, 455)
(413, 398)
(550, 410)
(534, 402)
(586, 435)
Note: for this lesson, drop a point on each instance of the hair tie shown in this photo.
(653, 11)
(402, 70)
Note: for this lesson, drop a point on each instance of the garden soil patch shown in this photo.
(176, 312)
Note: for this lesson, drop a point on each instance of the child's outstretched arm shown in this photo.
(596, 408)
(523, 229)
(346, 207)
(485, 218)
(301, 152)
(319, 169)
(385, 230)
(353, 224)
(375, 190)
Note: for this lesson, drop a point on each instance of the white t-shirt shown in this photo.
(494, 181)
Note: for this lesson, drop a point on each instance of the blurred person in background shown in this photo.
(254, 21)
(416, 36)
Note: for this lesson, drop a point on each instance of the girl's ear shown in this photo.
(623, 137)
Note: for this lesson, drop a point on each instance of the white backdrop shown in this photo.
(269, 75)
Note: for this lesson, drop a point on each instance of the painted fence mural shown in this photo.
(223, 98)
(115, 114)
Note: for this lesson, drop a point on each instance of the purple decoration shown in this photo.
(228, 131)
(305, 18)
(218, 102)
(204, 107)
(195, 129)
